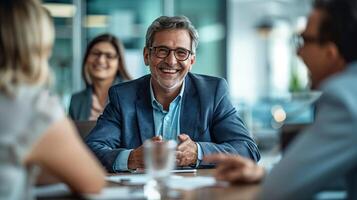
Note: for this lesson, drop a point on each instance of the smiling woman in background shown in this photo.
(103, 66)
(36, 139)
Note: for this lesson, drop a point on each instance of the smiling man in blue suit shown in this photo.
(170, 104)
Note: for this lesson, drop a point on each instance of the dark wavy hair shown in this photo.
(119, 48)
(339, 25)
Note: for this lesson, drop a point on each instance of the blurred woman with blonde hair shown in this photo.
(37, 141)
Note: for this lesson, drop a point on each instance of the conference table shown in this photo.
(226, 192)
(219, 191)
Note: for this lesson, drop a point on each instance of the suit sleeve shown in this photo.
(321, 154)
(229, 134)
(104, 139)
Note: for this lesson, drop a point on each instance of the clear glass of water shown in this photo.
(160, 158)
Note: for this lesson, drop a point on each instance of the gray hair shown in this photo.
(168, 23)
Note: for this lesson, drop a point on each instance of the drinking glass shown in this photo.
(159, 158)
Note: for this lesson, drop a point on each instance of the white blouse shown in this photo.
(23, 119)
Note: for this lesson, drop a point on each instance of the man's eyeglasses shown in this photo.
(108, 56)
(181, 54)
(300, 40)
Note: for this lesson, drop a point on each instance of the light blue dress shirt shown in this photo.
(167, 125)
(167, 122)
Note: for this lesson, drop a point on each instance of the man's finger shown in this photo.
(179, 158)
(179, 155)
(182, 146)
(223, 168)
(225, 159)
(234, 176)
(157, 138)
(183, 137)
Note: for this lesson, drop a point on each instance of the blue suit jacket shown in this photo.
(207, 116)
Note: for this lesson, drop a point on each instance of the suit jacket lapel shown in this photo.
(190, 110)
(145, 118)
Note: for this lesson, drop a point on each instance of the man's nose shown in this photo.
(299, 51)
(102, 58)
(171, 59)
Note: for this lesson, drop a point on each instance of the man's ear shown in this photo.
(146, 54)
(334, 57)
(193, 59)
(332, 51)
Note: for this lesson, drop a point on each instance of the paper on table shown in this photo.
(178, 170)
(191, 183)
(174, 182)
(137, 179)
(54, 190)
(61, 190)
(117, 193)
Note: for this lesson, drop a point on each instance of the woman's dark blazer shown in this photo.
(81, 102)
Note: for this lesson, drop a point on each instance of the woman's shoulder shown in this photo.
(27, 115)
(43, 104)
(87, 92)
(34, 99)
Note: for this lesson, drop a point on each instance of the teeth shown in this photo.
(100, 66)
(169, 70)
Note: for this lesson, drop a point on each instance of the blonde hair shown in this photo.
(26, 38)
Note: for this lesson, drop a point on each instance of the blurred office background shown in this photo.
(247, 42)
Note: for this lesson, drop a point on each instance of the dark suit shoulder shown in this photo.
(207, 83)
(202, 77)
(129, 89)
(133, 84)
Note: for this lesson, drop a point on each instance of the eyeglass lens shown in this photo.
(107, 55)
(181, 54)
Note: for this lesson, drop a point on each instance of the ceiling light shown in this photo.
(60, 9)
